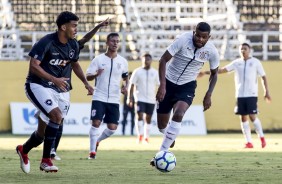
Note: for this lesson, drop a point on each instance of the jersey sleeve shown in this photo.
(260, 69)
(125, 70)
(93, 67)
(214, 59)
(133, 78)
(176, 45)
(157, 80)
(40, 48)
(230, 67)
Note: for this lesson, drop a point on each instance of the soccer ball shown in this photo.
(165, 161)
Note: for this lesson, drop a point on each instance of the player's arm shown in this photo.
(162, 68)
(212, 82)
(264, 82)
(220, 71)
(79, 73)
(91, 33)
(36, 69)
(129, 100)
(91, 77)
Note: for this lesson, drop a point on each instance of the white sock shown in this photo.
(106, 133)
(258, 127)
(170, 135)
(246, 131)
(93, 135)
(147, 128)
(139, 127)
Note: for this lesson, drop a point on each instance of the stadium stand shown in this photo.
(145, 25)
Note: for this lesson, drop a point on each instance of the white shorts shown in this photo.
(47, 99)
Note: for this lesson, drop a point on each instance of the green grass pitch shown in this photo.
(215, 158)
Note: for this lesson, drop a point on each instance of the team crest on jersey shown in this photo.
(71, 53)
(203, 55)
(48, 102)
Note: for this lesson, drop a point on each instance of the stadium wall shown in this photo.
(219, 118)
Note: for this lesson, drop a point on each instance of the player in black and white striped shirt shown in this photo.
(187, 54)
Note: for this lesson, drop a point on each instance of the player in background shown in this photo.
(143, 83)
(53, 58)
(247, 69)
(108, 69)
(128, 110)
(81, 42)
(187, 54)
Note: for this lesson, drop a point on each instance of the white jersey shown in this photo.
(107, 88)
(145, 82)
(246, 74)
(188, 60)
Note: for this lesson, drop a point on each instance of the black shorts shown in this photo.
(107, 112)
(246, 106)
(144, 107)
(175, 93)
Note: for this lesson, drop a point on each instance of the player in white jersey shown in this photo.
(247, 69)
(143, 83)
(108, 69)
(187, 54)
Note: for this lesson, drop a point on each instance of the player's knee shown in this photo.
(56, 116)
(178, 115)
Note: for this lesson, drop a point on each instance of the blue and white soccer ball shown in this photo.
(165, 161)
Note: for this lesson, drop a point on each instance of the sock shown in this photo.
(170, 135)
(93, 135)
(258, 127)
(33, 141)
(139, 127)
(106, 133)
(58, 138)
(246, 131)
(147, 128)
(50, 136)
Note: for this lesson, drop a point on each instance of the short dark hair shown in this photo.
(203, 27)
(66, 17)
(112, 35)
(147, 55)
(246, 44)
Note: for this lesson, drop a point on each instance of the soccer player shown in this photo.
(143, 83)
(108, 69)
(187, 54)
(81, 42)
(128, 110)
(247, 69)
(48, 84)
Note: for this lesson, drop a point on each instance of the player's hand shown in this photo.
(129, 102)
(207, 102)
(267, 97)
(61, 83)
(161, 93)
(104, 23)
(90, 89)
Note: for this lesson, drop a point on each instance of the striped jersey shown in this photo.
(188, 60)
(107, 86)
(246, 76)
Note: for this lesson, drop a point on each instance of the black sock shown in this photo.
(58, 137)
(33, 141)
(50, 136)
